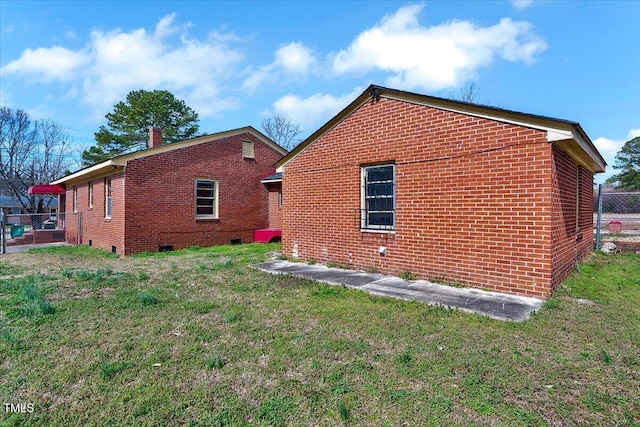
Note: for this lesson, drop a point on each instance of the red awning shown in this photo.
(47, 189)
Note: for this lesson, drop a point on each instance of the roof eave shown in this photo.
(360, 100)
(116, 164)
(557, 129)
(101, 169)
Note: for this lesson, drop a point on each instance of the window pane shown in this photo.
(204, 192)
(205, 198)
(204, 202)
(204, 210)
(379, 196)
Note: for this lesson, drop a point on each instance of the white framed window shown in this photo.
(378, 197)
(107, 198)
(206, 197)
(248, 150)
(90, 195)
(75, 198)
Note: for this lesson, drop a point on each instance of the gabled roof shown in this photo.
(118, 163)
(14, 202)
(567, 135)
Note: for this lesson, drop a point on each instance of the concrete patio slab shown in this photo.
(491, 304)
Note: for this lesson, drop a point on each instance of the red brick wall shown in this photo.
(160, 195)
(101, 232)
(275, 210)
(473, 198)
(570, 246)
(153, 199)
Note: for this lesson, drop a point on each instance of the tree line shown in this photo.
(31, 152)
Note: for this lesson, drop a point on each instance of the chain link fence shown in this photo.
(617, 218)
(34, 229)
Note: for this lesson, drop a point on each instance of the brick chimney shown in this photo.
(155, 137)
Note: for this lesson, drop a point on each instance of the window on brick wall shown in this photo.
(75, 198)
(206, 196)
(107, 198)
(90, 195)
(378, 197)
(248, 150)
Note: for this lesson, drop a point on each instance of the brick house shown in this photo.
(446, 190)
(204, 191)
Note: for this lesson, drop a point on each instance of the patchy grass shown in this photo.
(196, 337)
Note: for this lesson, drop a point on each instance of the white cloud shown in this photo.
(435, 57)
(165, 27)
(293, 60)
(315, 110)
(47, 64)
(114, 63)
(521, 4)
(138, 60)
(609, 147)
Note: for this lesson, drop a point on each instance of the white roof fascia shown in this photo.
(86, 171)
(589, 149)
(493, 117)
(554, 134)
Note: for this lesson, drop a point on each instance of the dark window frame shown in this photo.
(378, 197)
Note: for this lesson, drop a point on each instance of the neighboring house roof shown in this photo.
(276, 177)
(568, 135)
(14, 202)
(118, 163)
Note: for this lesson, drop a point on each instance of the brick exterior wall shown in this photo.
(275, 209)
(98, 231)
(473, 199)
(153, 198)
(569, 245)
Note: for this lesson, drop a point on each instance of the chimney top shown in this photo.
(155, 137)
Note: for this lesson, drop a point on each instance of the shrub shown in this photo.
(407, 275)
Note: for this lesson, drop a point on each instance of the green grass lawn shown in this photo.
(197, 338)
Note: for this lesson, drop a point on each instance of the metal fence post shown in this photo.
(599, 219)
(3, 237)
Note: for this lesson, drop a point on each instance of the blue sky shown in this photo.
(237, 63)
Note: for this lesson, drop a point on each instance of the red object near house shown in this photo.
(200, 192)
(398, 181)
(267, 235)
(47, 189)
(615, 227)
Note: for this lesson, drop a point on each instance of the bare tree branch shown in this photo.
(282, 131)
(468, 93)
(30, 153)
